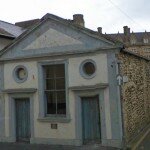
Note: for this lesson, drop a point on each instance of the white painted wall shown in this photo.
(43, 129)
(32, 81)
(64, 131)
(75, 79)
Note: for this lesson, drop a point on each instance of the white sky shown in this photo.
(111, 15)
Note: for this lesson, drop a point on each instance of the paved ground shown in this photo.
(145, 145)
(23, 146)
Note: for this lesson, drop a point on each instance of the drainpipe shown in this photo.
(119, 89)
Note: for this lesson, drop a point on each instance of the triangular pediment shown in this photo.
(51, 36)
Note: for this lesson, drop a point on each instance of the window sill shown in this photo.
(54, 119)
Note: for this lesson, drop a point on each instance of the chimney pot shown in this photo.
(99, 30)
(78, 19)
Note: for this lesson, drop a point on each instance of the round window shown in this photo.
(88, 68)
(20, 74)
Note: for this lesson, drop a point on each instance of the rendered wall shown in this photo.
(75, 78)
(43, 129)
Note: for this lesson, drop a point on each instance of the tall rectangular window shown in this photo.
(55, 90)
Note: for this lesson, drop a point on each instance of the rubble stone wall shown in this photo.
(135, 93)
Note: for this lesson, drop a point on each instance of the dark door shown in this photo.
(22, 119)
(91, 119)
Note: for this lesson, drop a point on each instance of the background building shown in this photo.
(137, 42)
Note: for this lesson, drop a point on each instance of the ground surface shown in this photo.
(145, 145)
(23, 146)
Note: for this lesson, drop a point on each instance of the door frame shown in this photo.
(78, 111)
(12, 114)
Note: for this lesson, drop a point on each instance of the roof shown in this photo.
(134, 54)
(82, 29)
(28, 23)
(138, 35)
(66, 22)
(10, 30)
(33, 24)
(5, 33)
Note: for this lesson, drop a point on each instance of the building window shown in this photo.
(20, 74)
(145, 41)
(55, 89)
(133, 41)
(88, 69)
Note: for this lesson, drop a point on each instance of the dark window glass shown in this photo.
(55, 89)
(50, 84)
(59, 71)
(51, 103)
(60, 84)
(61, 102)
(89, 68)
(21, 73)
(49, 71)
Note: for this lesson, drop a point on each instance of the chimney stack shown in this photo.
(99, 29)
(126, 30)
(78, 19)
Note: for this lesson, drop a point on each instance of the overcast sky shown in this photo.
(111, 15)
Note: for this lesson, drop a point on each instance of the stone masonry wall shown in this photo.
(135, 93)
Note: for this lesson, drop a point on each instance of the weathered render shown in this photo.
(56, 41)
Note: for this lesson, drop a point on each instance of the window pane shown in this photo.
(61, 102)
(55, 81)
(60, 70)
(51, 102)
(60, 84)
(89, 68)
(50, 84)
(49, 71)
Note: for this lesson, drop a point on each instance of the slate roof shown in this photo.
(28, 23)
(5, 33)
(10, 30)
(138, 35)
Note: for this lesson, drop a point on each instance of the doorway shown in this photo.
(91, 120)
(22, 106)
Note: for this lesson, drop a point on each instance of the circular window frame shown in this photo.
(15, 75)
(82, 72)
